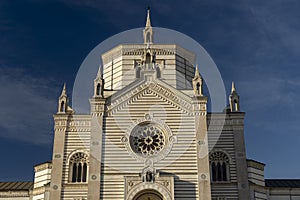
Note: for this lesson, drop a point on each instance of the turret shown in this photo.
(197, 83)
(63, 101)
(99, 84)
(234, 99)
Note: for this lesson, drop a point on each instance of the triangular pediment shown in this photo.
(143, 88)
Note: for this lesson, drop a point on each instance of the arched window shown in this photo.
(219, 167)
(62, 106)
(78, 168)
(198, 88)
(98, 89)
(148, 58)
(158, 72)
(235, 105)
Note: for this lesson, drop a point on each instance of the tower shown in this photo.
(61, 119)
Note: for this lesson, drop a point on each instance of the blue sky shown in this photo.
(253, 42)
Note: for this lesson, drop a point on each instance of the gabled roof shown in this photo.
(10, 186)
(283, 183)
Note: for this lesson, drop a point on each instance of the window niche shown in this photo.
(78, 168)
(219, 167)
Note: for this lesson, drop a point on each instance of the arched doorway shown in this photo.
(148, 195)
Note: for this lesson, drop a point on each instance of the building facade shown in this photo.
(147, 138)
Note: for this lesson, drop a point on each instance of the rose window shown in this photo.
(147, 140)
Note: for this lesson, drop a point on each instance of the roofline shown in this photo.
(47, 162)
(256, 161)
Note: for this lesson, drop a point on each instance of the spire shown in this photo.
(148, 22)
(197, 74)
(232, 87)
(148, 35)
(64, 90)
(99, 73)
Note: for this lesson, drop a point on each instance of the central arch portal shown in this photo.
(148, 195)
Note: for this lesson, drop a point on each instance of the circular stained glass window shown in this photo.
(147, 139)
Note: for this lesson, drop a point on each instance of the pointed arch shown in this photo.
(198, 88)
(62, 106)
(98, 89)
(235, 106)
(148, 58)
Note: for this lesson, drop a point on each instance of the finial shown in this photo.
(232, 87)
(197, 74)
(148, 22)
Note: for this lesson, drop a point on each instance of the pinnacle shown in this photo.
(232, 87)
(99, 73)
(197, 74)
(148, 22)
(64, 90)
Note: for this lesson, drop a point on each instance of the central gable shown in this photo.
(153, 92)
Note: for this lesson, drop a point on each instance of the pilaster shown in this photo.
(94, 180)
(60, 127)
(200, 112)
(240, 154)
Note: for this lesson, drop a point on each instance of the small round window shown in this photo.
(147, 139)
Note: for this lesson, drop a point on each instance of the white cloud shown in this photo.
(26, 104)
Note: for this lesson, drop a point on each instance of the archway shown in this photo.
(148, 195)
